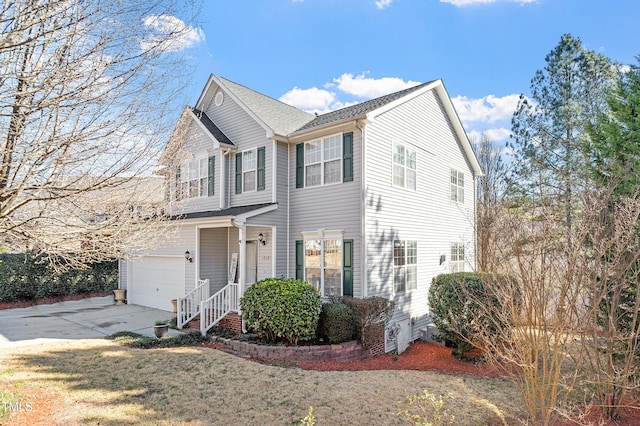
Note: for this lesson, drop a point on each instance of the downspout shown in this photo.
(363, 214)
(288, 206)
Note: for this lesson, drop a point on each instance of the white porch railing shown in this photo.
(217, 306)
(189, 305)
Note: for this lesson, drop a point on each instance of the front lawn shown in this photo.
(98, 381)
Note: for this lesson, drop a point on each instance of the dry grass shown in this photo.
(99, 382)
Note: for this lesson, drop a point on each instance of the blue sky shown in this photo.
(320, 55)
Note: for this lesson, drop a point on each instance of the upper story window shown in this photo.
(405, 265)
(457, 257)
(249, 165)
(250, 170)
(404, 166)
(195, 179)
(457, 186)
(325, 161)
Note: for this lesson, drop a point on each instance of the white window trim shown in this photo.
(255, 169)
(323, 161)
(185, 178)
(406, 256)
(323, 267)
(404, 166)
(458, 262)
(458, 187)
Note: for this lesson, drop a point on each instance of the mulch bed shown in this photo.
(420, 356)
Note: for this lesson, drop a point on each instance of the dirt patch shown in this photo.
(35, 406)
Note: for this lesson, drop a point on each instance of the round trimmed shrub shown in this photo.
(337, 323)
(282, 309)
(467, 307)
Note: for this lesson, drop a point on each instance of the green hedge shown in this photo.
(28, 277)
(468, 307)
(282, 309)
(337, 323)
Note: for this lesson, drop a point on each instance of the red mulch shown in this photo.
(420, 356)
(49, 300)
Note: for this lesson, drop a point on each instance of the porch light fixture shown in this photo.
(187, 256)
(261, 239)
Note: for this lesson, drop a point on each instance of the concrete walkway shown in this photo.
(76, 319)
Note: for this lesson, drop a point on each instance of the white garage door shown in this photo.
(155, 281)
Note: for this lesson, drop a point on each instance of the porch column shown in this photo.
(242, 240)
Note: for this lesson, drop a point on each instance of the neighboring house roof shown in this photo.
(358, 110)
(278, 116)
(232, 211)
(211, 127)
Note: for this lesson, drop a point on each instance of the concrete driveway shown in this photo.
(76, 319)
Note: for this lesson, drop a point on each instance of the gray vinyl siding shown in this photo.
(246, 134)
(199, 145)
(122, 273)
(426, 214)
(183, 239)
(330, 207)
(213, 257)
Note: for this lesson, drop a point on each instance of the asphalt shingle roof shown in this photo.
(358, 110)
(211, 127)
(282, 118)
(232, 211)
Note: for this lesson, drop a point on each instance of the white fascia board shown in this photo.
(216, 142)
(205, 91)
(268, 130)
(328, 129)
(384, 108)
(454, 119)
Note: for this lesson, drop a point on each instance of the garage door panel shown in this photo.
(156, 280)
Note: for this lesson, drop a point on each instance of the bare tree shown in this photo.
(489, 204)
(561, 349)
(88, 94)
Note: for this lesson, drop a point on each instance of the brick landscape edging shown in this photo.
(343, 352)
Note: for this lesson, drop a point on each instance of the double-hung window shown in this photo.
(405, 265)
(457, 186)
(323, 161)
(194, 179)
(323, 266)
(457, 257)
(250, 170)
(249, 165)
(325, 261)
(404, 166)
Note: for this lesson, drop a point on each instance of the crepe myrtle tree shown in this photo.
(88, 94)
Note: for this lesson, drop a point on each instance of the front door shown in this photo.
(251, 263)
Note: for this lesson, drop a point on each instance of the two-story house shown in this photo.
(370, 200)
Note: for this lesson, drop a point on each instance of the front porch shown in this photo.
(228, 259)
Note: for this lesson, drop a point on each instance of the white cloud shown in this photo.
(496, 135)
(368, 88)
(309, 99)
(462, 3)
(383, 4)
(488, 109)
(171, 34)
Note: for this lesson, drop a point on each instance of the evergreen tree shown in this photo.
(548, 130)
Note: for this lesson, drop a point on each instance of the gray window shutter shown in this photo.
(211, 176)
(300, 165)
(239, 173)
(261, 174)
(299, 260)
(347, 157)
(347, 268)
